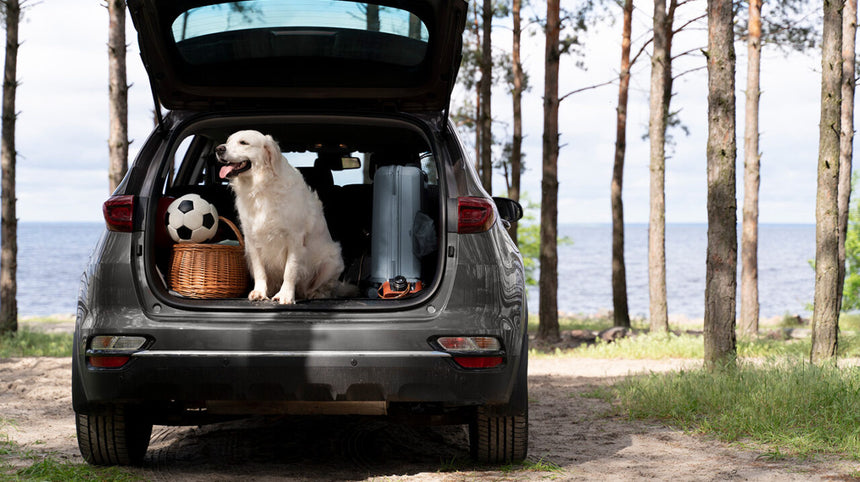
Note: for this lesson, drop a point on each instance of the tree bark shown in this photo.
(486, 120)
(752, 160)
(517, 98)
(117, 94)
(846, 149)
(548, 310)
(621, 312)
(661, 94)
(721, 271)
(372, 17)
(8, 154)
(825, 315)
(478, 159)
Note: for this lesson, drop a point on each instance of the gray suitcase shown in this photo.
(397, 194)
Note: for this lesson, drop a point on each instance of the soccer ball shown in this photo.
(191, 219)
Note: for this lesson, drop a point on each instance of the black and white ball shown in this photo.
(191, 219)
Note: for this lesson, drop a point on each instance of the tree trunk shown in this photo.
(486, 120)
(372, 17)
(661, 89)
(548, 309)
(846, 149)
(749, 242)
(722, 253)
(825, 315)
(517, 97)
(621, 312)
(477, 29)
(118, 94)
(9, 231)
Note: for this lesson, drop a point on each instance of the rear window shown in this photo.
(333, 29)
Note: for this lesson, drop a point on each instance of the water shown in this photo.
(51, 259)
(786, 280)
(52, 256)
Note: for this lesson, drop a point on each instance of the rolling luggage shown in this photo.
(397, 194)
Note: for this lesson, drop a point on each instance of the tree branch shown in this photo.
(608, 82)
(641, 50)
(690, 71)
(694, 20)
(688, 52)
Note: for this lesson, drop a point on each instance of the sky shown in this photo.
(62, 127)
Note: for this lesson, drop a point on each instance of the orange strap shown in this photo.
(387, 293)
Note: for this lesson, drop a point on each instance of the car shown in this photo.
(354, 93)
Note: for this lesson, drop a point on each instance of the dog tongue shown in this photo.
(226, 170)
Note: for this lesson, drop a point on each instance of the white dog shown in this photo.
(287, 242)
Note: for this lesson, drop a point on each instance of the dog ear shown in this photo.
(273, 151)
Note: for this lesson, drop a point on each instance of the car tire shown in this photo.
(504, 438)
(113, 437)
(499, 439)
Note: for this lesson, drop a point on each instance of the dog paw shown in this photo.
(284, 299)
(257, 295)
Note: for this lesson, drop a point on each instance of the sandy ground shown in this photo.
(566, 429)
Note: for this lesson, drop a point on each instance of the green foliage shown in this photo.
(792, 407)
(576, 322)
(531, 466)
(851, 290)
(790, 25)
(662, 346)
(658, 346)
(47, 468)
(52, 470)
(849, 322)
(35, 343)
(528, 238)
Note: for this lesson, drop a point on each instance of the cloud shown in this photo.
(63, 124)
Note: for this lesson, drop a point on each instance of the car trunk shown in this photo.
(384, 231)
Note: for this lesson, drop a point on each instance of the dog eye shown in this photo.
(243, 143)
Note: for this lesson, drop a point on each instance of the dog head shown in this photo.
(245, 150)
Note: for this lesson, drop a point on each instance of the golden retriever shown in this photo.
(287, 241)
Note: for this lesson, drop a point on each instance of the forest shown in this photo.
(663, 52)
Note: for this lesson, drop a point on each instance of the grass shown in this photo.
(582, 322)
(528, 465)
(793, 408)
(690, 346)
(47, 468)
(26, 342)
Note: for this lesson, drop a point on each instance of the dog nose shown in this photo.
(221, 149)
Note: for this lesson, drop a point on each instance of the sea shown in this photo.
(52, 257)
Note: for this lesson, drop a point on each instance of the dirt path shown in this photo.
(567, 429)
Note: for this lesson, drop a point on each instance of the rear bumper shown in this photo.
(226, 382)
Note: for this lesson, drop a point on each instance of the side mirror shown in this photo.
(509, 210)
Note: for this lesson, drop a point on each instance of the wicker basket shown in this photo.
(209, 271)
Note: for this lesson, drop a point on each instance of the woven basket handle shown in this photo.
(235, 230)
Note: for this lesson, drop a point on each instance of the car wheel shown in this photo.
(496, 439)
(504, 438)
(114, 437)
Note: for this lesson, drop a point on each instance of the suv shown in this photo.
(350, 90)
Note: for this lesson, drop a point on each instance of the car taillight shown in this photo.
(478, 361)
(474, 215)
(119, 213)
(113, 351)
(473, 351)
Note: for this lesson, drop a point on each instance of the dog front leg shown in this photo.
(258, 272)
(287, 294)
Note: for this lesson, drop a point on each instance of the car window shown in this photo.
(428, 165)
(341, 178)
(256, 29)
